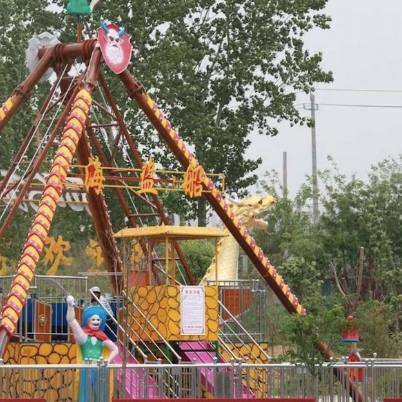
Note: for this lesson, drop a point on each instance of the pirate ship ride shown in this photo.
(160, 314)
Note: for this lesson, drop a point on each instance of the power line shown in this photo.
(306, 105)
(361, 105)
(358, 90)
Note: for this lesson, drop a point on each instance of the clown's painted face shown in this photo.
(94, 322)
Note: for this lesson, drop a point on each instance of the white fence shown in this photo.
(102, 383)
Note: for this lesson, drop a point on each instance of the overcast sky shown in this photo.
(363, 49)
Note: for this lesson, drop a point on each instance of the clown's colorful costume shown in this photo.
(92, 341)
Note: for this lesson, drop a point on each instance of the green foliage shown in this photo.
(354, 214)
(199, 255)
(219, 70)
(358, 214)
(376, 321)
(19, 21)
(276, 319)
(290, 232)
(292, 241)
(323, 324)
(303, 277)
(12, 242)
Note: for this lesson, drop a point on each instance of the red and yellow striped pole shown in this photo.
(214, 196)
(209, 185)
(21, 93)
(53, 189)
(36, 239)
(5, 108)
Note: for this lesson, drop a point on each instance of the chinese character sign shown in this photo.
(54, 254)
(3, 265)
(94, 251)
(136, 253)
(93, 176)
(147, 178)
(193, 181)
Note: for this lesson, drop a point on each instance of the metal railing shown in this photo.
(47, 302)
(160, 347)
(249, 311)
(233, 344)
(60, 383)
(43, 317)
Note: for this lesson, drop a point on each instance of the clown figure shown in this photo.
(92, 341)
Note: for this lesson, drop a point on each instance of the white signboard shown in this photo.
(77, 201)
(192, 310)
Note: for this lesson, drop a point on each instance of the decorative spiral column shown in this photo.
(37, 235)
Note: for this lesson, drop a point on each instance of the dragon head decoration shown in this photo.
(248, 209)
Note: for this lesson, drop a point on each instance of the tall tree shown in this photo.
(354, 214)
(221, 70)
(359, 214)
(291, 232)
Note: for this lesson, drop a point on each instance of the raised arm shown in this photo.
(79, 335)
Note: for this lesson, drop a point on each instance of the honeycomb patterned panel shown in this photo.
(53, 385)
(258, 377)
(160, 306)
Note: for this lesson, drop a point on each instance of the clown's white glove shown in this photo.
(70, 300)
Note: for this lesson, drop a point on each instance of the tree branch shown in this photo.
(359, 278)
(332, 265)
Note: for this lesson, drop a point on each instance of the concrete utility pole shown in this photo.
(285, 174)
(245, 264)
(313, 107)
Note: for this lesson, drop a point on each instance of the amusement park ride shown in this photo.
(160, 313)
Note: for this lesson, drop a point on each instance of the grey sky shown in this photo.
(363, 48)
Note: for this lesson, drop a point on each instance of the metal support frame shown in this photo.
(64, 53)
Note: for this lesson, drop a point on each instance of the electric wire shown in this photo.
(360, 105)
(359, 90)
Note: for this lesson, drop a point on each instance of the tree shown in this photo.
(354, 215)
(220, 69)
(323, 323)
(376, 329)
(292, 241)
(358, 214)
(199, 255)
